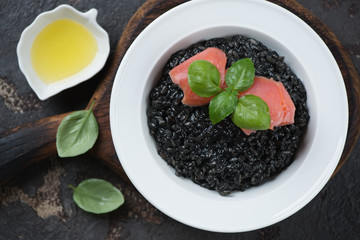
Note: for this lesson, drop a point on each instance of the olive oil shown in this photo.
(63, 48)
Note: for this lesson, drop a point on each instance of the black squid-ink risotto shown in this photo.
(221, 157)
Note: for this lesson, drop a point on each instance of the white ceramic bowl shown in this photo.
(260, 206)
(88, 20)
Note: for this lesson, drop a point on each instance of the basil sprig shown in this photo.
(252, 113)
(222, 105)
(97, 196)
(240, 76)
(204, 78)
(249, 112)
(77, 133)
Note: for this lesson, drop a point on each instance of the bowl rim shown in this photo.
(86, 19)
(121, 144)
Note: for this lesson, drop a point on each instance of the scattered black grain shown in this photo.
(221, 157)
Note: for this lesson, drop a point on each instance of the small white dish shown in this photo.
(260, 206)
(88, 20)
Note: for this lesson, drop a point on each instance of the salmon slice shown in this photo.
(289, 113)
(179, 75)
(281, 107)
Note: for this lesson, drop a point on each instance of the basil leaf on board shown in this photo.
(252, 113)
(240, 76)
(221, 106)
(77, 133)
(204, 78)
(97, 196)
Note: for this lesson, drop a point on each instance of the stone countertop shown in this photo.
(37, 204)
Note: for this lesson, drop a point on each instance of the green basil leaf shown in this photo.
(204, 78)
(97, 196)
(240, 76)
(77, 133)
(252, 113)
(221, 106)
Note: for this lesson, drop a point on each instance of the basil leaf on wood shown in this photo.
(221, 106)
(240, 76)
(204, 78)
(97, 196)
(252, 113)
(77, 133)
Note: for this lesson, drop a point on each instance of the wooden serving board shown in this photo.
(29, 143)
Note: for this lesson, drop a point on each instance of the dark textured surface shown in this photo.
(38, 205)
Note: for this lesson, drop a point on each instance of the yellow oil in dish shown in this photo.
(61, 49)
